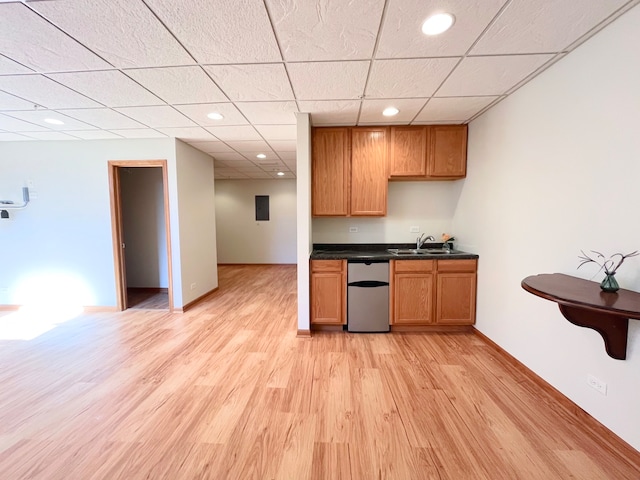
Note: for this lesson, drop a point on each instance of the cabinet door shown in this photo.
(408, 154)
(330, 172)
(412, 298)
(369, 171)
(448, 152)
(328, 292)
(456, 299)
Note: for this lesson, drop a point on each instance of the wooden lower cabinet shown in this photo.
(433, 292)
(412, 292)
(328, 292)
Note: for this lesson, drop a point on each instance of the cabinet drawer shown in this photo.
(413, 265)
(327, 265)
(457, 265)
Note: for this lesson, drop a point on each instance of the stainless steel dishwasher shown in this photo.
(367, 295)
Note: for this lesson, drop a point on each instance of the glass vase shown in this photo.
(610, 284)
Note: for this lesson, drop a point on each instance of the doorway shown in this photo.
(141, 234)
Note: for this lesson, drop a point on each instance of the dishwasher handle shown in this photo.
(368, 284)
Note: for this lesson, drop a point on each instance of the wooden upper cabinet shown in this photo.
(448, 151)
(408, 151)
(369, 149)
(436, 152)
(330, 172)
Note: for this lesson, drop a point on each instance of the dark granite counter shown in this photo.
(378, 251)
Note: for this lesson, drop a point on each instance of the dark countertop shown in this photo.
(378, 251)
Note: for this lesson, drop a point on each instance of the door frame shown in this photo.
(117, 230)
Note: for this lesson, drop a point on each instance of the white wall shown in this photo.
(142, 194)
(552, 170)
(429, 205)
(242, 239)
(63, 238)
(197, 223)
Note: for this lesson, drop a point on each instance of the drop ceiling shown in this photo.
(156, 68)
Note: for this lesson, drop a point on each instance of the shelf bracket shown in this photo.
(612, 328)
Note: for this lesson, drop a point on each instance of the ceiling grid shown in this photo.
(159, 68)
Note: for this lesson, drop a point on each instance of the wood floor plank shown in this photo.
(227, 391)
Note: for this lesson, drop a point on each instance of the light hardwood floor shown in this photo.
(227, 391)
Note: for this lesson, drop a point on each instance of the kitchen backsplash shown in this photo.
(427, 205)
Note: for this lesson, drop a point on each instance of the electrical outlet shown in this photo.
(414, 229)
(353, 229)
(193, 286)
(597, 384)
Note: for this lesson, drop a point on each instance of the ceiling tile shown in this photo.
(242, 132)
(132, 36)
(249, 169)
(229, 173)
(220, 31)
(271, 166)
(418, 77)
(198, 113)
(94, 134)
(285, 176)
(196, 134)
(8, 66)
(328, 112)
(287, 157)
(251, 155)
(401, 34)
(157, 117)
(224, 156)
(12, 137)
(249, 145)
(328, 80)
(267, 113)
(477, 76)
(326, 30)
(38, 116)
(51, 136)
(15, 125)
(277, 132)
(372, 110)
(11, 102)
(543, 26)
(45, 92)
(168, 83)
(259, 175)
(452, 109)
(103, 118)
(252, 82)
(240, 165)
(282, 146)
(41, 46)
(211, 146)
(138, 133)
(110, 87)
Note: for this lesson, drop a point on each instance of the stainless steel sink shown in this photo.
(419, 251)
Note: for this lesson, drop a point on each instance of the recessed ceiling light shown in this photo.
(215, 116)
(436, 24)
(54, 121)
(280, 174)
(390, 111)
(261, 155)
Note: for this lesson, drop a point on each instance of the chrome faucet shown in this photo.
(420, 241)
